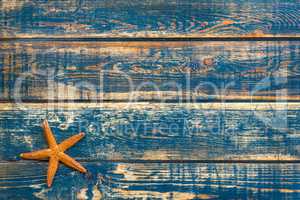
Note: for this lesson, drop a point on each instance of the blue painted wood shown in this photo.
(156, 131)
(240, 71)
(191, 18)
(152, 180)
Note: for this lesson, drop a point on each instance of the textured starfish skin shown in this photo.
(55, 153)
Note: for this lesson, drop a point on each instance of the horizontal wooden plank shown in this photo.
(152, 180)
(133, 18)
(160, 71)
(144, 131)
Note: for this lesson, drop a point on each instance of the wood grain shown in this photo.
(150, 71)
(142, 131)
(154, 149)
(133, 18)
(152, 180)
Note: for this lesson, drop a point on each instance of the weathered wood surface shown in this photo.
(191, 18)
(134, 71)
(152, 150)
(141, 131)
(26, 180)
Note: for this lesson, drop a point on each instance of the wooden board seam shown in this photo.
(147, 39)
(140, 161)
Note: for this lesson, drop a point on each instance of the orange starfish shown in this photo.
(55, 153)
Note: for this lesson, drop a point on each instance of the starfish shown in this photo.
(55, 153)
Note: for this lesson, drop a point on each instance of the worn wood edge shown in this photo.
(246, 159)
(154, 97)
(152, 37)
(147, 43)
(149, 105)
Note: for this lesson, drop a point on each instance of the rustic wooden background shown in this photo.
(236, 112)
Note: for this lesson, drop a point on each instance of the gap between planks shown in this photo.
(147, 105)
(141, 161)
(242, 99)
(148, 39)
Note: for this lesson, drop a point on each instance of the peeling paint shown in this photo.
(82, 194)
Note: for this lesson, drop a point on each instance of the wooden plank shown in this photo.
(152, 180)
(256, 18)
(157, 131)
(159, 71)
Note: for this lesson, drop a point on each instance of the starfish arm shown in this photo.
(70, 142)
(49, 135)
(36, 155)
(67, 160)
(52, 168)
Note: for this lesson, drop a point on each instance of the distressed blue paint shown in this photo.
(143, 133)
(134, 133)
(159, 18)
(157, 180)
(244, 68)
